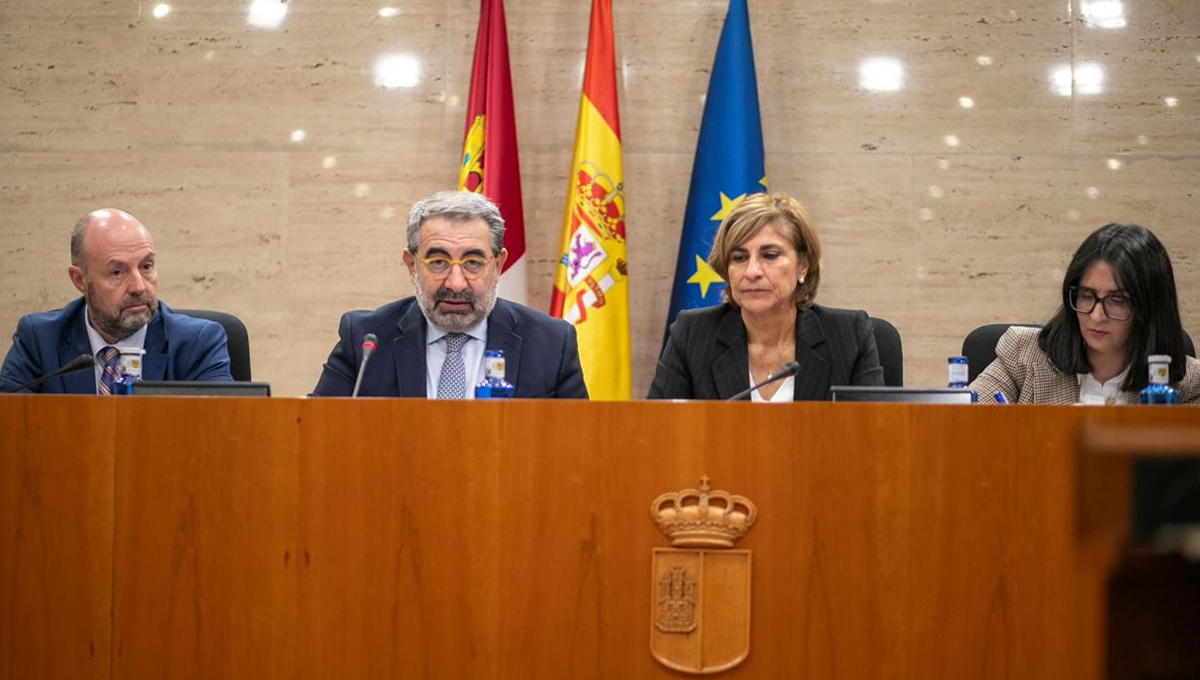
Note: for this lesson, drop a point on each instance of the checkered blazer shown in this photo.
(1025, 375)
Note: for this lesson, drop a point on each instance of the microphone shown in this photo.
(368, 346)
(785, 371)
(77, 364)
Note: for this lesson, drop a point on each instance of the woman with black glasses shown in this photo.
(1118, 307)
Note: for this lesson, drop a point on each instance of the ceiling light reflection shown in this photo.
(329, 162)
(388, 12)
(966, 102)
(1104, 13)
(1088, 78)
(267, 13)
(161, 10)
(985, 60)
(397, 70)
(1171, 102)
(299, 136)
(881, 74)
(1114, 164)
(951, 140)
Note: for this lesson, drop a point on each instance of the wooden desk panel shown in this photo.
(206, 563)
(404, 538)
(56, 532)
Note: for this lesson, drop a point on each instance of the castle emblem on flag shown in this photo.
(470, 175)
(701, 617)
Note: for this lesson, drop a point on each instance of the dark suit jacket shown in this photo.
(178, 347)
(706, 356)
(540, 353)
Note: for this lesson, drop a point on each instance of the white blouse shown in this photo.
(786, 391)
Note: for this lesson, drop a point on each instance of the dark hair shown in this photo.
(1142, 269)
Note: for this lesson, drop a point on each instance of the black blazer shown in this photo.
(541, 355)
(706, 356)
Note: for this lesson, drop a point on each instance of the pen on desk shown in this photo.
(999, 397)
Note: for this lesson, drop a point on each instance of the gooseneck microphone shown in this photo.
(77, 364)
(785, 371)
(368, 347)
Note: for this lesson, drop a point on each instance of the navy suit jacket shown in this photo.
(706, 355)
(541, 355)
(178, 347)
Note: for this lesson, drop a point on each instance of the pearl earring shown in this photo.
(801, 279)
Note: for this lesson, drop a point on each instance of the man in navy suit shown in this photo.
(113, 265)
(432, 344)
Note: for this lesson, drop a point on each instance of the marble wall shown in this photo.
(950, 184)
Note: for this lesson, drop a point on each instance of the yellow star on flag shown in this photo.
(727, 204)
(705, 276)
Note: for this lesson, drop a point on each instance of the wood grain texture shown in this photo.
(56, 531)
(414, 539)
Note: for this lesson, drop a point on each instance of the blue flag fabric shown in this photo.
(728, 165)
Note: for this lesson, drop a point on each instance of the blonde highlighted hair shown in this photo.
(790, 218)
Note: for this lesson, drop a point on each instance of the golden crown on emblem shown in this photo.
(701, 518)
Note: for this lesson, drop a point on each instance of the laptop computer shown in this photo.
(198, 388)
(912, 395)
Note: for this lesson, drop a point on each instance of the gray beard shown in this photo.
(481, 306)
(120, 326)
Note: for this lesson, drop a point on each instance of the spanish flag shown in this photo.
(489, 163)
(591, 286)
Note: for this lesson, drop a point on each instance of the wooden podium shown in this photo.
(288, 538)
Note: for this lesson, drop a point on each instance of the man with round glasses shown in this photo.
(432, 344)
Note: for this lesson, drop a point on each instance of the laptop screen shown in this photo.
(197, 388)
(916, 395)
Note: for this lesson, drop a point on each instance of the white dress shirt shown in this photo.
(137, 340)
(472, 355)
(1093, 393)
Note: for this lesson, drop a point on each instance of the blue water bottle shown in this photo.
(130, 368)
(1158, 391)
(493, 385)
(958, 373)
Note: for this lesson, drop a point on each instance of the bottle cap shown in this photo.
(1159, 359)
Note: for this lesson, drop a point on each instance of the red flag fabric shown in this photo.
(490, 163)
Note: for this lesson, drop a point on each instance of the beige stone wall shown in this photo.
(935, 216)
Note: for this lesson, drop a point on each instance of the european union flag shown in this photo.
(728, 165)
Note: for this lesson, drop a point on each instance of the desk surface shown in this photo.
(199, 537)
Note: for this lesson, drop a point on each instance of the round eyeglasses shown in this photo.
(473, 266)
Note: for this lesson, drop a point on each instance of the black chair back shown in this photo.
(891, 352)
(979, 347)
(239, 339)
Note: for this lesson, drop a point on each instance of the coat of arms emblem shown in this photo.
(700, 601)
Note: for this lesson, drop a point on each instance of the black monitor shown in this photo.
(913, 395)
(199, 388)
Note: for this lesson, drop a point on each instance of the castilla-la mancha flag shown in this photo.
(591, 282)
(489, 158)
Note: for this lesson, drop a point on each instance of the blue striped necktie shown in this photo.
(108, 357)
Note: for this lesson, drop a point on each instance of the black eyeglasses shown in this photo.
(1117, 306)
